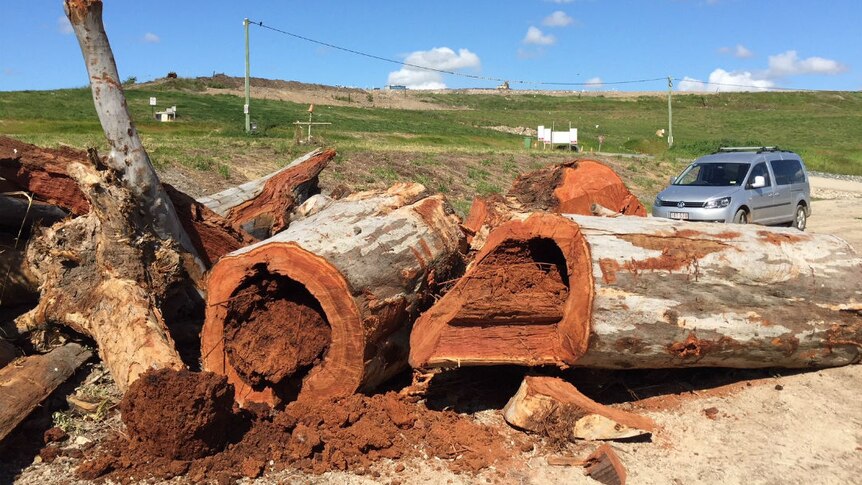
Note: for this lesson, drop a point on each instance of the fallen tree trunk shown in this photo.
(105, 275)
(631, 292)
(326, 305)
(262, 207)
(28, 381)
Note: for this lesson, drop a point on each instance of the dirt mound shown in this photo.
(346, 434)
(178, 414)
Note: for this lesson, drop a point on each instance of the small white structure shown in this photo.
(547, 136)
(169, 114)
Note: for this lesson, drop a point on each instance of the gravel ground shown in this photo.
(838, 176)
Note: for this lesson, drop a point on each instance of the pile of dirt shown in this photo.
(351, 433)
(178, 414)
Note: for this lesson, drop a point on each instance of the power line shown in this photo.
(453, 73)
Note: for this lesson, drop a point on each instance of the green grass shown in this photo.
(450, 150)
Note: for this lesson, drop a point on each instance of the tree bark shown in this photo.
(326, 305)
(105, 274)
(27, 382)
(647, 293)
(127, 156)
(262, 207)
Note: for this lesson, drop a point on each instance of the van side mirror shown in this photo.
(759, 181)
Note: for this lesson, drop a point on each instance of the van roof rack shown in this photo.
(749, 149)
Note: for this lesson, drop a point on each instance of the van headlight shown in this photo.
(657, 202)
(717, 203)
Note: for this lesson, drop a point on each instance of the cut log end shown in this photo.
(526, 298)
(271, 326)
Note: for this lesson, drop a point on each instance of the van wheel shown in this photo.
(801, 220)
(741, 217)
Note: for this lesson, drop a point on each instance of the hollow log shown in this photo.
(632, 292)
(325, 307)
(104, 275)
(262, 207)
(553, 406)
(25, 383)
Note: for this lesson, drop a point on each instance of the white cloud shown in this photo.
(537, 37)
(64, 26)
(151, 38)
(442, 58)
(789, 64)
(594, 82)
(721, 80)
(740, 51)
(558, 19)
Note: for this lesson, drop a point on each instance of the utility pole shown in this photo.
(669, 112)
(247, 85)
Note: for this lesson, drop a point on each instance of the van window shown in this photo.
(759, 170)
(787, 172)
(713, 174)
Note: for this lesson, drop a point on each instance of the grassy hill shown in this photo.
(451, 150)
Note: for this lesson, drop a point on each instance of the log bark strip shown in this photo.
(25, 383)
(326, 305)
(261, 207)
(653, 293)
(551, 405)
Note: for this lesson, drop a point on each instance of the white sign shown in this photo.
(245, 108)
(152, 101)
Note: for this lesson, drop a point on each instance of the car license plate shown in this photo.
(679, 215)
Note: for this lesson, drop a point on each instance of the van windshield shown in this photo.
(713, 174)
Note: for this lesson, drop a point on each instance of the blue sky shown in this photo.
(755, 43)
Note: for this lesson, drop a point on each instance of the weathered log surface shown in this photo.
(28, 381)
(8, 352)
(18, 285)
(553, 406)
(651, 293)
(262, 207)
(677, 295)
(103, 274)
(327, 304)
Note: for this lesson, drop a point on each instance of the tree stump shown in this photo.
(325, 307)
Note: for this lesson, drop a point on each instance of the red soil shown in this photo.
(274, 330)
(351, 434)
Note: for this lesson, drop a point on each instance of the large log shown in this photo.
(262, 207)
(631, 292)
(327, 304)
(28, 381)
(105, 275)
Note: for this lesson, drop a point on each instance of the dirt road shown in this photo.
(837, 209)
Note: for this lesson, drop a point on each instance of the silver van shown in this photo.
(743, 185)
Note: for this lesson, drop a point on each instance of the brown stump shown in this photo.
(573, 187)
(325, 307)
(652, 293)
